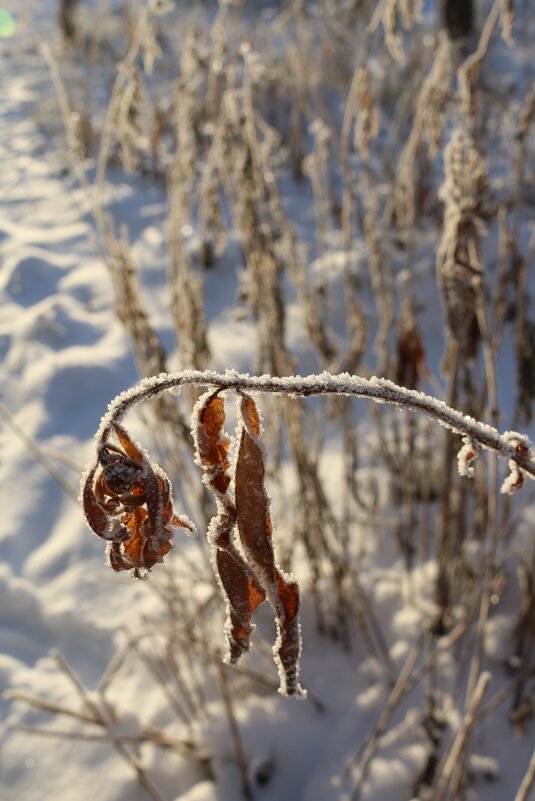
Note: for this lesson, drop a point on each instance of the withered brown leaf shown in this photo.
(239, 584)
(255, 530)
(127, 501)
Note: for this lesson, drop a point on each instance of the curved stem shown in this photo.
(377, 389)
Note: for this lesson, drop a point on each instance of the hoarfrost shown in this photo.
(467, 456)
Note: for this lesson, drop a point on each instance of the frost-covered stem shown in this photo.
(380, 390)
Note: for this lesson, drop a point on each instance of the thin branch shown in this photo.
(364, 756)
(527, 782)
(379, 390)
(459, 744)
(38, 454)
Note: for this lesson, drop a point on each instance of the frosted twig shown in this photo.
(379, 390)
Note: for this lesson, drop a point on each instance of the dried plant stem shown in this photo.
(104, 719)
(498, 699)
(124, 72)
(376, 389)
(150, 735)
(365, 755)
(492, 511)
(66, 111)
(468, 72)
(461, 739)
(241, 757)
(48, 706)
(527, 782)
(216, 655)
(38, 455)
(154, 670)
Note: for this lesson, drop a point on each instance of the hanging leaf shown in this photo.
(254, 527)
(242, 590)
(211, 442)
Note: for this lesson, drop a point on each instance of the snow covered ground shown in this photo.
(65, 617)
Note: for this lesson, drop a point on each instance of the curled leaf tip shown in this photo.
(127, 501)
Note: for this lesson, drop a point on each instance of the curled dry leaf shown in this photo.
(241, 588)
(523, 449)
(467, 456)
(246, 580)
(254, 527)
(127, 501)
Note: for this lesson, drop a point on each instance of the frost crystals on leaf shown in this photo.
(254, 527)
(247, 581)
(515, 479)
(467, 456)
(127, 501)
(239, 584)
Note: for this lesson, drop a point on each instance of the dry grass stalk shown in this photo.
(102, 714)
(463, 194)
(124, 87)
(186, 288)
(507, 20)
(459, 746)
(151, 358)
(527, 115)
(428, 124)
(316, 168)
(525, 627)
(520, 266)
(394, 13)
(367, 114)
(383, 290)
(362, 760)
(127, 115)
(239, 749)
(105, 717)
(528, 781)
(40, 457)
(130, 310)
(469, 71)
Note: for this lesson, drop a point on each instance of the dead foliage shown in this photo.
(127, 501)
(246, 569)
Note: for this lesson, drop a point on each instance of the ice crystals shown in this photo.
(515, 479)
(467, 456)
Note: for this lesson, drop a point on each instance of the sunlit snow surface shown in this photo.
(64, 356)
